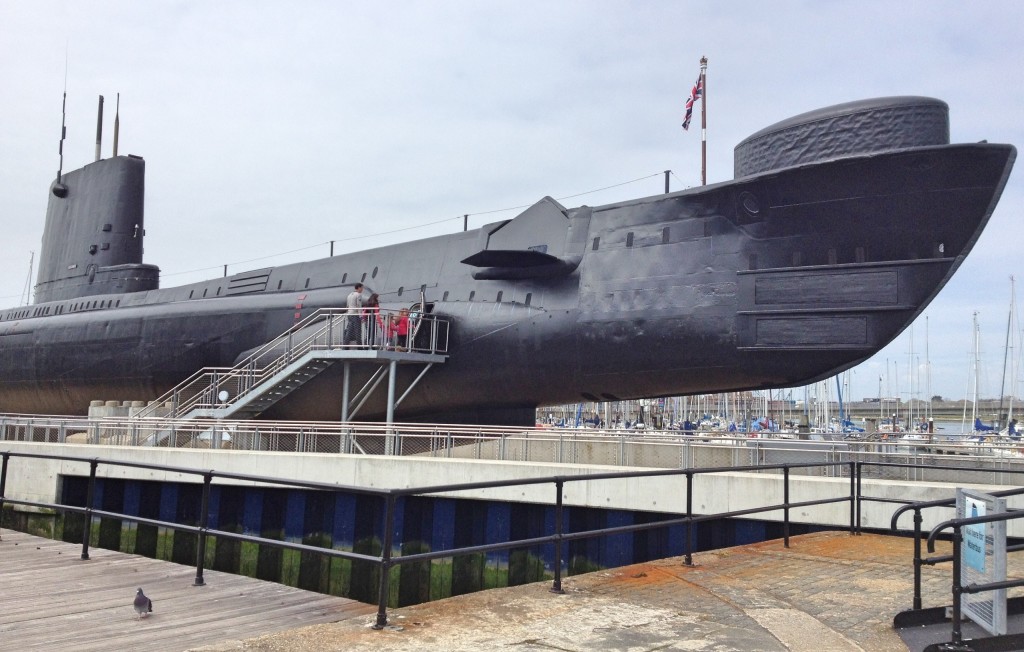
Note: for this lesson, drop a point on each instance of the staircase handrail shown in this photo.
(173, 396)
(250, 375)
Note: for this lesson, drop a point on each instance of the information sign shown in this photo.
(983, 559)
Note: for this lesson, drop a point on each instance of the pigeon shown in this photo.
(142, 604)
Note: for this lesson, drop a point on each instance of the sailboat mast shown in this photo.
(977, 353)
(1012, 339)
(1006, 354)
(927, 370)
(910, 380)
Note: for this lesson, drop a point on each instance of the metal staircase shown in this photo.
(298, 355)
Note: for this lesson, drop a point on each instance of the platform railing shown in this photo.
(327, 329)
(958, 588)
(556, 535)
(918, 615)
(918, 508)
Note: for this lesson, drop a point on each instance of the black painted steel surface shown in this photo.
(806, 265)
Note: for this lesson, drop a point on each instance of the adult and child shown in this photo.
(364, 325)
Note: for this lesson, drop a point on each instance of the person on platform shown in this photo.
(399, 330)
(353, 305)
(373, 325)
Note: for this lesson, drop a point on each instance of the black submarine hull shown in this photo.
(783, 276)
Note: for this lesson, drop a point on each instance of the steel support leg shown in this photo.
(392, 368)
(345, 390)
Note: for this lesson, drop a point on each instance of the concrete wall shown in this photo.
(38, 480)
(613, 452)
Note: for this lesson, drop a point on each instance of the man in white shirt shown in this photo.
(354, 305)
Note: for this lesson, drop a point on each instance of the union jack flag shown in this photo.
(695, 94)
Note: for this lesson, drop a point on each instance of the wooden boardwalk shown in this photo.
(50, 599)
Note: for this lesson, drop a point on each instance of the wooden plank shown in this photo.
(51, 599)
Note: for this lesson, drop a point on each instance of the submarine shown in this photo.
(838, 228)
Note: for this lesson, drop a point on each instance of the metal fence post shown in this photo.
(918, 519)
(87, 524)
(785, 510)
(556, 586)
(204, 518)
(958, 640)
(689, 523)
(385, 564)
(856, 469)
(3, 486)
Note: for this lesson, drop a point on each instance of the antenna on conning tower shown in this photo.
(99, 127)
(117, 122)
(26, 292)
(59, 189)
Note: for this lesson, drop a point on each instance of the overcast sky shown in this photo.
(272, 127)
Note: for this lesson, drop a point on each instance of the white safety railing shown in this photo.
(650, 449)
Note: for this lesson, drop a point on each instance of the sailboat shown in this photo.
(978, 428)
(1010, 365)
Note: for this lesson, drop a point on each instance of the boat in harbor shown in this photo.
(838, 228)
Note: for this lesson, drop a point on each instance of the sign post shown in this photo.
(983, 559)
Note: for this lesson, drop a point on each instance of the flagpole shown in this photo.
(704, 123)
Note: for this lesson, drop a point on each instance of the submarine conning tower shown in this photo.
(92, 241)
